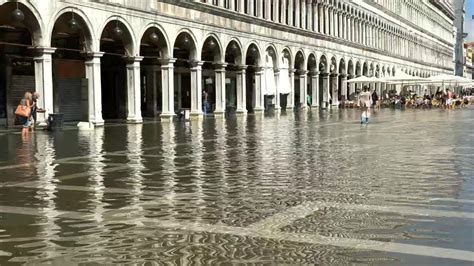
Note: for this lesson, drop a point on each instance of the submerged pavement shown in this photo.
(316, 188)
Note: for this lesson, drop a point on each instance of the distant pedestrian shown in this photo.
(308, 101)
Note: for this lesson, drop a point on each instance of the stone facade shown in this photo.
(170, 51)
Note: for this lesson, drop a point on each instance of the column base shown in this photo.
(98, 123)
(219, 112)
(259, 110)
(290, 108)
(196, 116)
(134, 120)
(167, 117)
(315, 106)
(241, 112)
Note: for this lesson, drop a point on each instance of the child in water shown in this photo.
(364, 103)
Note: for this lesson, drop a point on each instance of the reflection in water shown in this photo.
(246, 190)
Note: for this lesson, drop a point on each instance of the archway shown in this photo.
(313, 82)
(235, 78)
(324, 82)
(20, 32)
(213, 76)
(117, 66)
(188, 79)
(284, 85)
(334, 91)
(271, 100)
(72, 39)
(342, 82)
(299, 96)
(154, 50)
(254, 96)
(351, 74)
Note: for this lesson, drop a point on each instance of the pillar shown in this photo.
(344, 95)
(283, 9)
(221, 3)
(325, 77)
(297, 13)
(152, 90)
(196, 88)
(241, 90)
(220, 88)
(303, 88)
(334, 89)
(258, 92)
(241, 6)
(251, 8)
(259, 8)
(315, 88)
(167, 88)
(134, 112)
(290, 12)
(94, 84)
(290, 102)
(315, 17)
(326, 20)
(44, 81)
(321, 18)
(277, 93)
(351, 86)
(276, 11)
(303, 14)
(309, 15)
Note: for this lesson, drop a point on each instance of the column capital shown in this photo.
(92, 55)
(344, 76)
(43, 50)
(166, 61)
(314, 73)
(276, 70)
(259, 69)
(220, 66)
(133, 59)
(196, 64)
(302, 72)
(292, 70)
(334, 75)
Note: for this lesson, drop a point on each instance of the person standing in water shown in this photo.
(364, 103)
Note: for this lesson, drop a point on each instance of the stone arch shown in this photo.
(342, 66)
(33, 22)
(333, 66)
(235, 52)
(299, 60)
(128, 41)
(212, 36)
(312, 63)
(273, 52)
(189, 41)
(165, 52)
(83, 19)
(323, 64)
(286, 52)
(252, 48)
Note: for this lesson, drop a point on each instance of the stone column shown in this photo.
(44, 81)
(196, 88)
(315, 89)
(259, 8)
(268, 11)
(321, 17)
(134, 112)
(277, 93)
(220, 88)
(315, 17)
(326, 20)
(221, 3)
(290, 12)
(283, 10)
(241, 90)
(297, 13)
(94, 83)
(241, 6)
(151, 90)
(334, 89)
(351, 86)
(309, 15)
(303, 88)
(290, 101)
(258, 92)
(232, 5)
(303, 14)
(336, 23)
(276, 11)
(344, 87)
(167, 88)
(325, 77)
(251, 8)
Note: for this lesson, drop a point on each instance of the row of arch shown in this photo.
(342, 20)
(115, 63)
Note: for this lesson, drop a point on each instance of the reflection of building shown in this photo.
(120, 59)
(469, 60)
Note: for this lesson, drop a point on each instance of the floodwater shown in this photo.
(308, 188)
